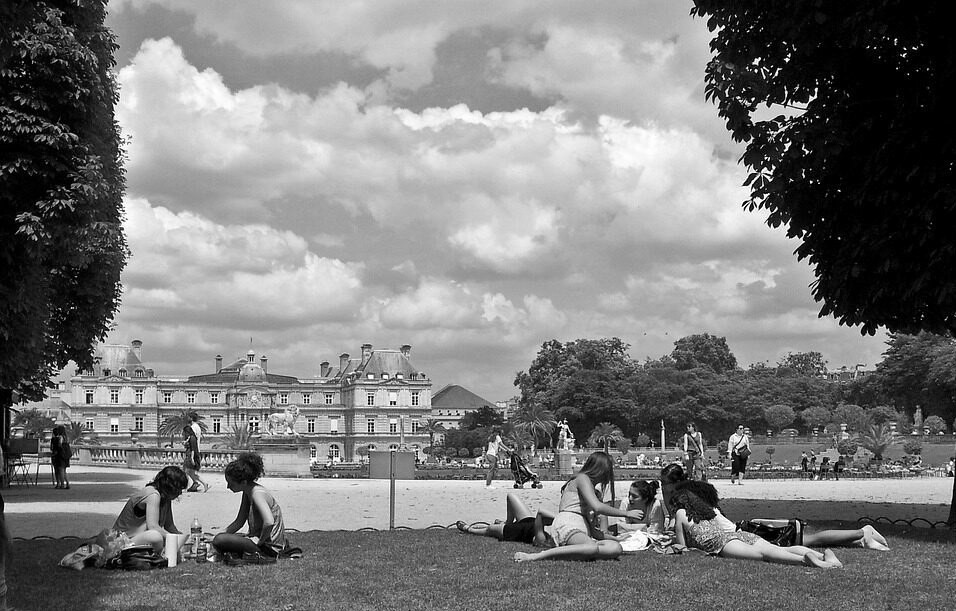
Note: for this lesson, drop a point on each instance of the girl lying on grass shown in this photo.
(574, 530)
(147, 516)
(520, 525)
(673, 477)
(696, 525)
(266, 540)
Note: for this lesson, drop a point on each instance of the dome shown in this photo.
(252, 374)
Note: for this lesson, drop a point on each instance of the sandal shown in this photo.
(461, 526)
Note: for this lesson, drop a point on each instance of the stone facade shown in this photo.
(375, 401)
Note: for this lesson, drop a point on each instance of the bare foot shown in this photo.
(523, 557)
(871, 535)
(830, 557)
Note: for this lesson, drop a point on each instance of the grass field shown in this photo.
(442, 569)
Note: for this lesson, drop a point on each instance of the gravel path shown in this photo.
(98, 494)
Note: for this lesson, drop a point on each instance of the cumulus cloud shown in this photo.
(318, 220)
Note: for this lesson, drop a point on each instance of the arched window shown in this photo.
(334, 450)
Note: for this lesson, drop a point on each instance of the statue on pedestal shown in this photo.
(279, 420)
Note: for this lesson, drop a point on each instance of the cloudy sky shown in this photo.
(473, 178)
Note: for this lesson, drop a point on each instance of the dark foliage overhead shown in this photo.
(858, 161)
(62, 246)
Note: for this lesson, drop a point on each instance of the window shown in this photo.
(371, 447)
(306, 399)
(139, 373)
(138, 423)
(334, 451)
(392, 425)
(167, 396)
(122, 373)
(370, 425)
(139, 395)
(393, 446)
(90, 424)
(89, 396)
(393, 397)
(384, 376)
(114, 425)
(414, 425)
(190, 397)
(334, 425)
(214, 398)
(415, 399)
(370, 376)
(253, 424)
(313, 452)
(399, 376)
(114, 395)
(216, 424)
(310, 425)
(370, 398)
(283, 398)
(329, 397)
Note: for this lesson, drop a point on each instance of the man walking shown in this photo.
(694, 453)
(738, 447)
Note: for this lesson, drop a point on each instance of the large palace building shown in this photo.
(376, 401)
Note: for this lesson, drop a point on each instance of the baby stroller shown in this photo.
(522, 473)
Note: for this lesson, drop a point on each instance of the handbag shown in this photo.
(141, 558)
(779, 532)
(744, 451)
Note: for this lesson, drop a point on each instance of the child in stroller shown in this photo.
(522, 473)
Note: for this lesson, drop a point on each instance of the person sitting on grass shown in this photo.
(575, 532)
(147, 516)
(266, 539)
(520, 525)
(642, 496)
(696, 525)
(673, 478)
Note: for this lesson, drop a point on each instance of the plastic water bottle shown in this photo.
(201, 550)
(195, 533)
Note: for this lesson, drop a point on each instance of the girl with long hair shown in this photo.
(575, 531)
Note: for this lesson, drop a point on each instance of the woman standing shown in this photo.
(491, 455)
(739, 449)
(60, 455)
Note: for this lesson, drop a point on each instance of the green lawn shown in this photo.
(443, 569)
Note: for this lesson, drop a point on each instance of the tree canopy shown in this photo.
(859, 162)
(62, 246)
(704, 350)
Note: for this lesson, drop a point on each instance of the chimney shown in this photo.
(343, 362)
(137, 347)
(218, 363)
(323, 369)
(366, 352)
(406, 350)
(264, 363)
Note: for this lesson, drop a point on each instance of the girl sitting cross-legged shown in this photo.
(575, 532)
(266, 539)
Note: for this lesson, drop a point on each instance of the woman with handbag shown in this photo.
(739, 449)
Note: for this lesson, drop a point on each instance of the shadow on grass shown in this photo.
(84, 487)
(440, 569)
